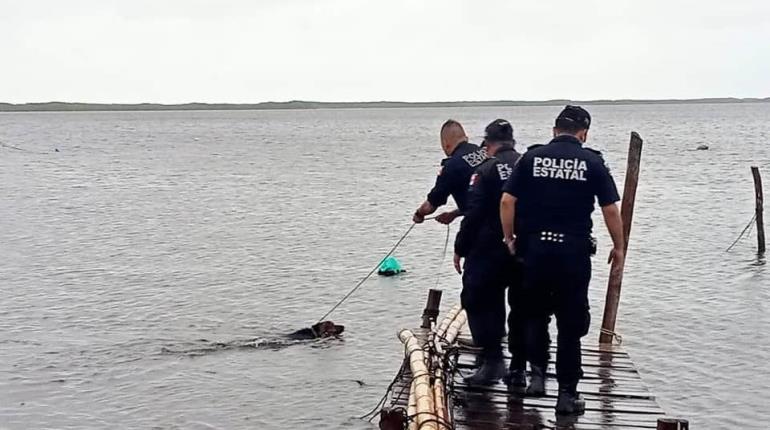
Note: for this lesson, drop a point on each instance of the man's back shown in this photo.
(454, 175)
(482, 221)
(556, 185)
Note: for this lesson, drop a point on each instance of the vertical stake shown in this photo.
(627, 214)
(759, 210)
(430, 313)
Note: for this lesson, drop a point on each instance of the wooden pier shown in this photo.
(616, 398)
(429, 392)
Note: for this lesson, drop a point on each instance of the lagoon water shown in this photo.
(150, 235)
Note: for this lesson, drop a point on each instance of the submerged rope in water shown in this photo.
(5, 145)
(740, 236)
(368, 275)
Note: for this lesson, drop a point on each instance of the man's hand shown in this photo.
(446, 217)
(422, 211)
(617, 257)
(458, 266)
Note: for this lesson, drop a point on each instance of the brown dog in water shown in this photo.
(318, 331)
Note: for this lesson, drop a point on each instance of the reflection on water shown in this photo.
(151, 229)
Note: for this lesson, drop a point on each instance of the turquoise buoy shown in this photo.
(389, 267)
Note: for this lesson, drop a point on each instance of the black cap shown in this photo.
(500, 131)
(574, 117)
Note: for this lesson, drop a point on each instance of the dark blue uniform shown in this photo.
(556, 186)
(488, 266)
(454, 175)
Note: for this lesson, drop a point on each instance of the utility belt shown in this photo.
(556, 238)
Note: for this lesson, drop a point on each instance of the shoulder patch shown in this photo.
(474, 180)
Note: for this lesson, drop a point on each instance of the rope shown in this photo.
(370, 416)
(612, 334)
(740, 236)
(443, 257)
(361, 282)
(5, 145)
(435, 419)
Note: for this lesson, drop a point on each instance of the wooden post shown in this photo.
(672, 424)
(759, 210)
(627, 214)
(430, 313)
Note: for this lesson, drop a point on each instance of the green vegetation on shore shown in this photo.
(64, 106)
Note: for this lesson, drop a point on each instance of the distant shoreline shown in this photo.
(93, 107)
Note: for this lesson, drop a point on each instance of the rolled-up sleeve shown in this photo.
(604, 185)
(473, 216)
(441, 191)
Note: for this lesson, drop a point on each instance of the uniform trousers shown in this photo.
(556, 274)
(486, 276)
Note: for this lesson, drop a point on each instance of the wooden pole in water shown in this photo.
(759, 210)
(672, 424)
(627, 214)
(430, 313)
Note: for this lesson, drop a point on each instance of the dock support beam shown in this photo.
(672, 424)
(430, 313)
(759, 210)
(627, 214)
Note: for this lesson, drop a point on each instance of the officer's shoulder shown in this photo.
(597, 157)
(594, 153)
(487, 164)
(535, 146)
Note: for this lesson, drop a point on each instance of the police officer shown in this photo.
(487, 262)
(455, 172)
(549, 199)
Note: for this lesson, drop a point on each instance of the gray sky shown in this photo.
(173, 51)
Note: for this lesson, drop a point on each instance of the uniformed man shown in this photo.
(549, 199)
(487, 262)
(453, 177)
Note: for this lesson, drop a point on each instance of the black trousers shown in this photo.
(486, 276)
(555, 281)
(516, 319)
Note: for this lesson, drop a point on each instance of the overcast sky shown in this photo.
(174, 51)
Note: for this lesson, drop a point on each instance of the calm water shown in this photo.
(149, 232)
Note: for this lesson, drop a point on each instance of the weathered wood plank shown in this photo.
(615, 395)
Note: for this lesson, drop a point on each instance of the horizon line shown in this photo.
(59, 106)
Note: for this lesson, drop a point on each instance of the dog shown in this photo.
(319, 330)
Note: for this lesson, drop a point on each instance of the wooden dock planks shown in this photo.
(616, 398)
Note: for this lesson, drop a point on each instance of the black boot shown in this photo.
(570, 402)
(536, 386)
(488, 374)
(516, 377)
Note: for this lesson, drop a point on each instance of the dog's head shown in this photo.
(328, 329)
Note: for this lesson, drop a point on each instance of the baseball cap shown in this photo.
(498, 130)
(574, 116)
